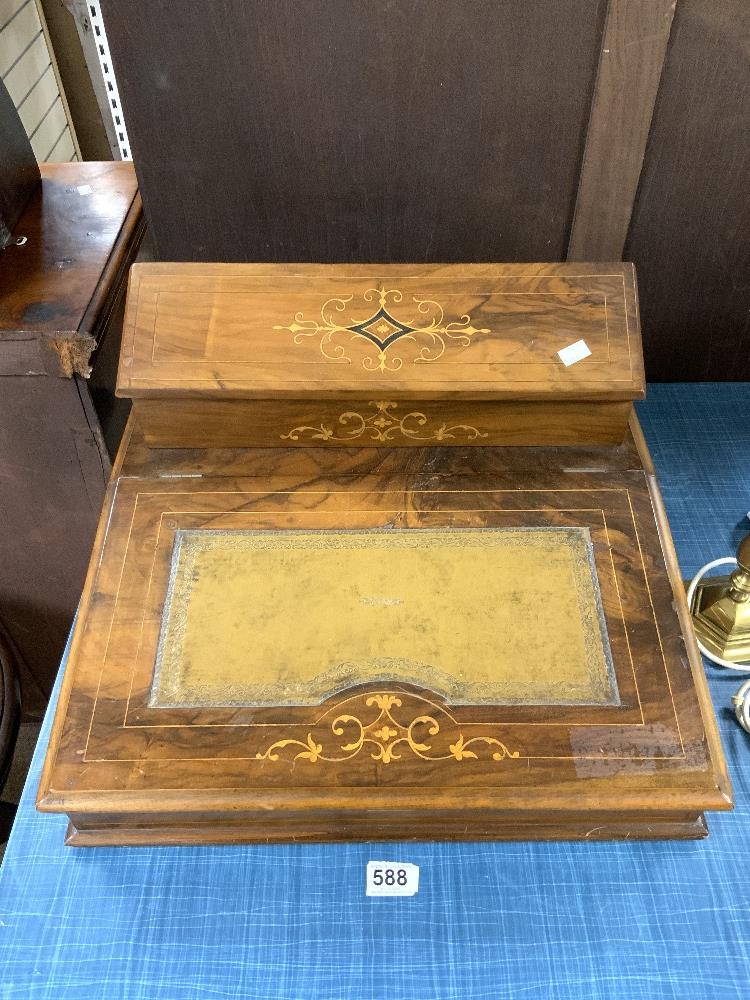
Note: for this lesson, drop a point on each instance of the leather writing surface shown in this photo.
(477, 616)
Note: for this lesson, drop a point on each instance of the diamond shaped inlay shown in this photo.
(426, 326)
(382, 329)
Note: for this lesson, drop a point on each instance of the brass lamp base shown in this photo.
(721, 610)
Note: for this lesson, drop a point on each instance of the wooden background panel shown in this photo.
(51, 492)
(398, 130)
(19, 173)
(630, 67)
(690, 233)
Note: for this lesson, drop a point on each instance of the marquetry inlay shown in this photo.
(379, 725)
(424, 322)
(384, 425)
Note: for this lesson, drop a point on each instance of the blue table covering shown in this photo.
(551, 921)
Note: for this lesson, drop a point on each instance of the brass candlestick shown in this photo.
(721, 610)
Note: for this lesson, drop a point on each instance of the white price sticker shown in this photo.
(574, 352)
(392, 878)
(83, 189)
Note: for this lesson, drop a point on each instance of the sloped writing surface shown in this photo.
(480, 616)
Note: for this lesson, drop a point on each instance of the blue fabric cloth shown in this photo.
(546, 921)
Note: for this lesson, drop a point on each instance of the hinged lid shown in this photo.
(477, 331)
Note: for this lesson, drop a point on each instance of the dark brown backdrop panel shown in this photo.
(19, 173)
(690, 233)
(51, 491)
(345, 130)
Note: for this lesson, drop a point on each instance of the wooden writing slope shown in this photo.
(299, 355)
(332, 598)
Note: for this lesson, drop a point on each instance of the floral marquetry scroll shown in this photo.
(386, 729)
(384, 425)
(376, 564)
(423, 322)
(387, 355)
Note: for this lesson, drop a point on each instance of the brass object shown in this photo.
(721, 610)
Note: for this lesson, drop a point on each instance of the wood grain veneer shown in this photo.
(481, 331)
(241, 423)
(402, 355)
(129, 773)
(151, 743)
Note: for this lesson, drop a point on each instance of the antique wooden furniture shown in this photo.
(299, 354)
(63, 288)
(295, 630)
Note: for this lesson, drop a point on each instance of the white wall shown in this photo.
(30, 75)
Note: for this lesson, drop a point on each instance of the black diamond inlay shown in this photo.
(382, 329)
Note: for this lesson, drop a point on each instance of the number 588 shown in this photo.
(389, 876)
